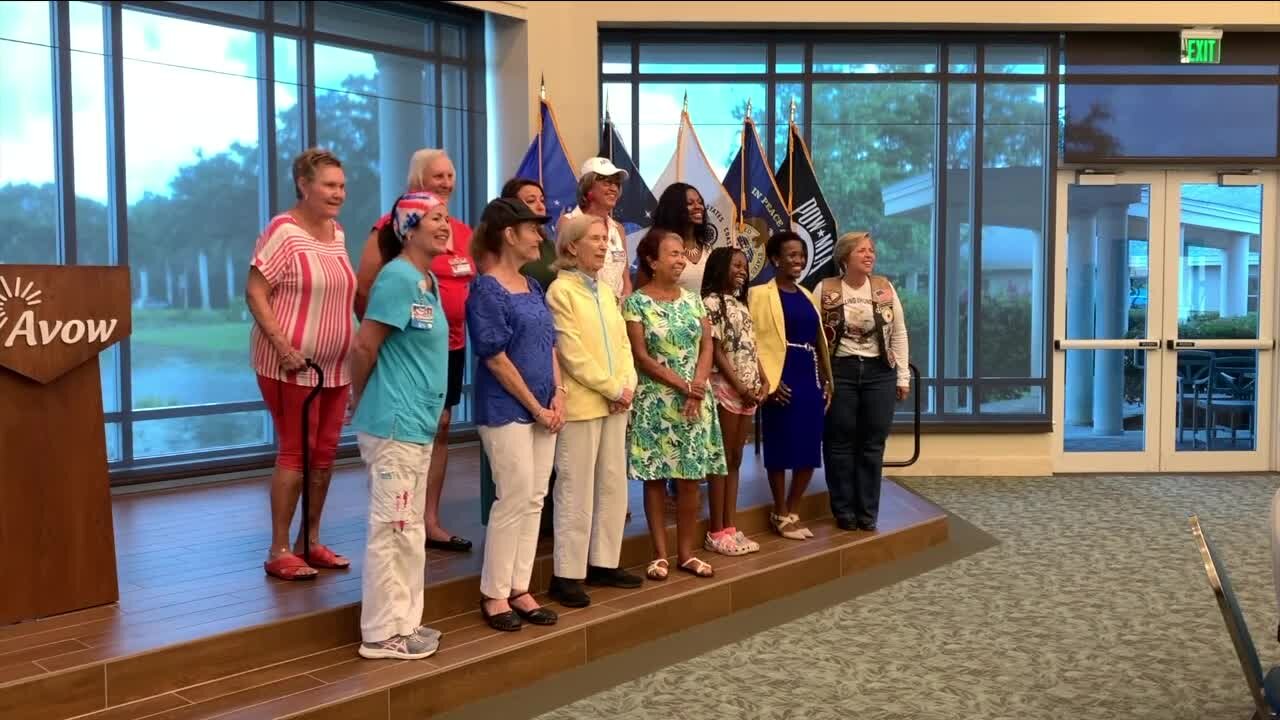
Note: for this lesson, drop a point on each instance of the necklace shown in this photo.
(694, 254)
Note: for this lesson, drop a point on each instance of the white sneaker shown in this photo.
(400, 647)
(745, 542)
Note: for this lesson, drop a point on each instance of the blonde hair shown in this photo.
(306, 164)
(847, 243)
(418, 164)
(571, 233)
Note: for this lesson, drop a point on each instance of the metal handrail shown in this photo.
(915, 429)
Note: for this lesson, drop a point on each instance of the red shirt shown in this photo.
(454, 269)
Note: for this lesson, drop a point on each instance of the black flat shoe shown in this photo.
(612, 577)
(868, 526)
(453, 544)
(537, 616)
(845, 524)
(507, 621)
(568, 593)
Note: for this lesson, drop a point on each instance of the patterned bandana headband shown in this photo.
(410, 209)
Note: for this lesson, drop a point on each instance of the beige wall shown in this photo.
(558, 40)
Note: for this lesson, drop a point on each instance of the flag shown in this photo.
(689, 165)
(636, 205)
(548, 162)
(760, 203)
(811, 217)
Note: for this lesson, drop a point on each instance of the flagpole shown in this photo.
(542, 99)
(742, 160)
(684, 118)
(791, 158)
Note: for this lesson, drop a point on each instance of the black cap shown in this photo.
(505, 212)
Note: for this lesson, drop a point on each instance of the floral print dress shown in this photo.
(662, 442)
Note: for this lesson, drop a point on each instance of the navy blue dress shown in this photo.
(793, 432)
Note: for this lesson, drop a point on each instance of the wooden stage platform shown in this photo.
(201, 632)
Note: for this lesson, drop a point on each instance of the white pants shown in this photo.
(590, 494)
(395, 556)
(520, 457)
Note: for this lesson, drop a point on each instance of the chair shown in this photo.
(1230, 392)
(1264, 690)
(1195, 367)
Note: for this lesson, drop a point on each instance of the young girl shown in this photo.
(739, 386)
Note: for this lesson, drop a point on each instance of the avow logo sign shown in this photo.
(20, 326)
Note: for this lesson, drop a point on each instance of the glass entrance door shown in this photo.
(1161, 323)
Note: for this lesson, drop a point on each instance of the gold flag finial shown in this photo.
(684, 106)
(748, 109)
(542, 87)
(792, 110)
(606, 105)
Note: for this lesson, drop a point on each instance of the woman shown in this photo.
(431, 170)
(303, 254)
(399, 373)
(518, 406)
(738, 383)
(591, 455)
(674, 434)
(599, 188)
(793, 355)
(682, 210)
(867, 333)
(531, 194)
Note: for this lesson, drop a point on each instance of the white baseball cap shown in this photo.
(602, 167)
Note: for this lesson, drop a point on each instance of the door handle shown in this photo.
(1148, 344)
(1180, 344)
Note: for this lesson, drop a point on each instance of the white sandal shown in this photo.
(785, 525)
(696, 567)
(657, 570)
(795, 520)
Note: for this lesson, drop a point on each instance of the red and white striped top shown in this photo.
(312, 291)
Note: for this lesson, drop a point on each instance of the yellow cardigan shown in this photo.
(771, 332)
(591, 344)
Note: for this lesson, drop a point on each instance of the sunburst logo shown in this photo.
(28, 296)
(17, 302)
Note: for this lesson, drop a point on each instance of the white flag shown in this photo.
(689, 165)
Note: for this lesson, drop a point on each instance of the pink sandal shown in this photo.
(322, 557)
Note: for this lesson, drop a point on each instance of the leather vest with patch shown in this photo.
(831, 297)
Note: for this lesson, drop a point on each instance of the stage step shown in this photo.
(306, 666)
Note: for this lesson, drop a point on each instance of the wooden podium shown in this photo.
(55, 502)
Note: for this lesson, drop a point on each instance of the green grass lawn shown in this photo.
(206, 337)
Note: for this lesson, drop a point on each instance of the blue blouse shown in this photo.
(520, 325)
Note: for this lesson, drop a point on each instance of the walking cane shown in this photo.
(306, 459)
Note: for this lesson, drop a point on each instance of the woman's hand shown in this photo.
(291, 359)
(548, 419)
(557, 410)
(782, 395)
(692, 409)
(903, 392)
(763, 393)
(826, 396)
(628, 395)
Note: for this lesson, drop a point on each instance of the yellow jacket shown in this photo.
(591, 344)
(771, 332)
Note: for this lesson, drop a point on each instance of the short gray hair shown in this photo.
(573, 230)
(847, 243)
(418, 164)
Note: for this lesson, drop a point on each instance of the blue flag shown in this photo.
(750, 183)
(636, 205)
(549, 164)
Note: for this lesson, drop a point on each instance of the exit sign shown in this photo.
(1201, 46)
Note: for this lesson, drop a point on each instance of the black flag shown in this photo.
(636, 204)
(810, 215)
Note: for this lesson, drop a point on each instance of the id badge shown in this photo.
(619, 256)
(422, 317)
(460, 266)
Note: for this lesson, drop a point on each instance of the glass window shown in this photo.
(451, 41)
(785, 94)
(89, 138)
(615, 58)
(789, 58)
(874, 58)
(247, 8)
(962, 59)
(288, 12)
(175, 436)
(289, 135)
(703, 57)
(716, 110)
(366, 23)
(617, 103)
(1015, 59)
(28, 192)
(193, 210)
(374, 110)
(1172, 121)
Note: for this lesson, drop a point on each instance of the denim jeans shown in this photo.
(857, 426)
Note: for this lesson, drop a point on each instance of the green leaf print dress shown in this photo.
(663, 443)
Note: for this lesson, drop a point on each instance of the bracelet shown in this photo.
(561, 388)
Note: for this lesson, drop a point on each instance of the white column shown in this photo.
(1111, 302)
(401, 123)
(1235, 277)
(1080, 284)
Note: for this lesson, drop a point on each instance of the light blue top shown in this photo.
(405, 393)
